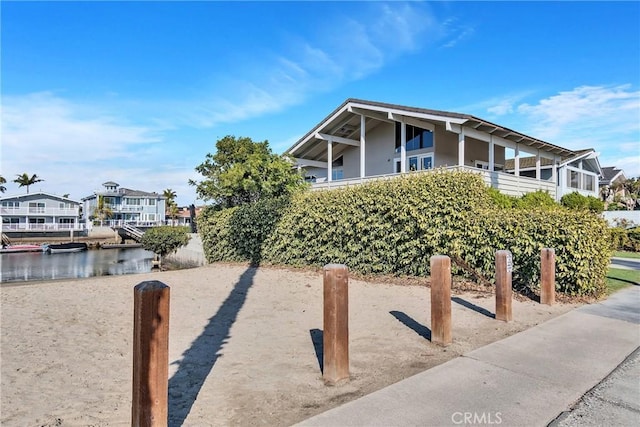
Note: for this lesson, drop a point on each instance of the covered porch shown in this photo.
(362, 141)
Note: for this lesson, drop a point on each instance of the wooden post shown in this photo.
(504, 268)
(150, 355)
(547, 276)
(335, 337)
(441, 300)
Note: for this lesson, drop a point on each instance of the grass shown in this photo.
(625, 254)
(618, 278)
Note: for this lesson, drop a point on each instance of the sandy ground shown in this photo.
(245, 345)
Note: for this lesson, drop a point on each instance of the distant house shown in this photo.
(39, 212)
(184, 215)
(611, 182)
(116, 206)
(364, 140)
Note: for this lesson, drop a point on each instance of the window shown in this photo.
(589, 182)
(10, 204)
(36, 220)
(129, 201)
(151, 202)
(36, 207)
(415, 163)
(574, 179)
(336, 169)
(66, 221)
(417, 138)
(66, 205)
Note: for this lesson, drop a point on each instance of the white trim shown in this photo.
(403, 147)
(338, 139)
(313, 163)
(363, 129)
(329, 159)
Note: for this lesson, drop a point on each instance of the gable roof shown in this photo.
(38, 193)
(610, 174)
(353, 106)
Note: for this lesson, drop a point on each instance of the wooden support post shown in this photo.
(335, 337)
(150, 355)
(441, 300)
(547, 276)
(504, 268)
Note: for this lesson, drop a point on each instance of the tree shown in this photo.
(102, 211)
(171, 208)
(25, 180)
(2, 187)
(243, 171)
(164, 240)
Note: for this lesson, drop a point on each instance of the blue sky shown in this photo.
(139, 92)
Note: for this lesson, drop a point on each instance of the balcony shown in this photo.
(506, 183)
(36, 211)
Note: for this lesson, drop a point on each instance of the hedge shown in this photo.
(395, 226)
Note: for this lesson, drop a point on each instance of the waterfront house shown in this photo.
(115, 206)
(36, 214)
(364, 140)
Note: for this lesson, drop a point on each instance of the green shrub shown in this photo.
(500, 199)
(537, 199)
(164, 240)
(625, 239)
(576, 200)
(395, 226)
(238, 233)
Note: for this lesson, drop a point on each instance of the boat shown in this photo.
(10, 249)
(55, 248)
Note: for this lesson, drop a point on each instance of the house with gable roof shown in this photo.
(364, 140)
(39, 213)
(126, 206)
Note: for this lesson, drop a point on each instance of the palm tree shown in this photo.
(25, 181)
(2, 187)
(170, 195)
(171, 208)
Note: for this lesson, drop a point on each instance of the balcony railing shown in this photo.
(506, 183)
(42, 227)
(33, 211)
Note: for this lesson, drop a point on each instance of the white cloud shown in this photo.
(351, 50)
(605, 118)
(75, 148)
(586, 113)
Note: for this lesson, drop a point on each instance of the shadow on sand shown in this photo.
(318, 346)
(409, 322)
(473, 307)
(198, 361)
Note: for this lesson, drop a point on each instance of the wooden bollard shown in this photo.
(335, 337)
(504, 269)
(150, 354)
(441, 300)
(547, 276)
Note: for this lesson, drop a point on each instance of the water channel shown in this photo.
(37, 266)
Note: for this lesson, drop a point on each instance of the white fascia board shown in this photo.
(312, 163)
(582, 156)
(372, 115)
(411, 121)
(318, 129)
(498, 140)
(338, 139)
(409, 113)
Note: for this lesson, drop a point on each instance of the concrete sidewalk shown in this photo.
(528, 379)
